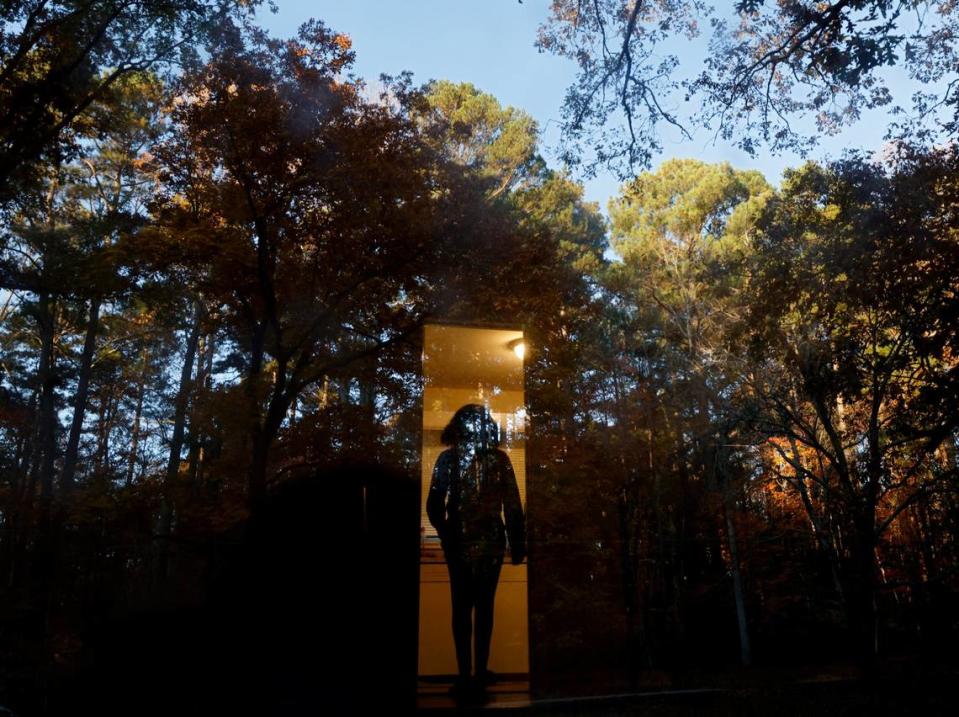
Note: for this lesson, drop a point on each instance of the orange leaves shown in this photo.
(342, 41)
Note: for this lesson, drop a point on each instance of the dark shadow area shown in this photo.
(312, 609)
(846, 698)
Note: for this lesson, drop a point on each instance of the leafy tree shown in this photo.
(111, 188)
(475, 131)
(851, 316)
(59, 57)
(60, 265)
(683, 233)
(308, 213)
(767, 64)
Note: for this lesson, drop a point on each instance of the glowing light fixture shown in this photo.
(518, 347)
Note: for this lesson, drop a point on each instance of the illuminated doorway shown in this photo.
(468, 365)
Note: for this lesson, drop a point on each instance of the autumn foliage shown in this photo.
(743, 399)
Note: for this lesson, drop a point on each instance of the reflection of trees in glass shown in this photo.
(272, 294)
(849, 318)
(630, 442)
(682, 231)
(778, 365)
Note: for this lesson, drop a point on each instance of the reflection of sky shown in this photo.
(491, 45)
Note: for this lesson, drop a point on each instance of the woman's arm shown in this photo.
(513, 511)
(439, 488)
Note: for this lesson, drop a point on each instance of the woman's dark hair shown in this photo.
(468, 414)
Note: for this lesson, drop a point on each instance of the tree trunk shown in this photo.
(80, 399)
(108, 413)
(14, 507)
(176, 444)
(263, 436)
(44, 548)
(47, 419)
(676, 545)
(258, 466)
(256, 476)
(630, 526)
(137, 417)
(205, 350)
(823, 534)
(864, 590)
(745, 649)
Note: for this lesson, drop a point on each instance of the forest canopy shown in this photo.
(218, 249)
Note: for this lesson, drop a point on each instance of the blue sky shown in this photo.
(491, 44)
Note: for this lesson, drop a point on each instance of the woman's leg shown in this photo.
(487, 576)
(461, 591)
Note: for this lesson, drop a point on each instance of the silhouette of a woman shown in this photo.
(473, 487)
